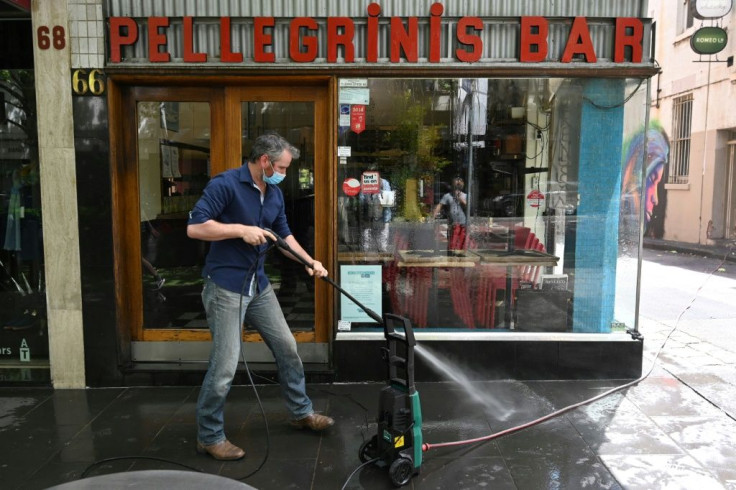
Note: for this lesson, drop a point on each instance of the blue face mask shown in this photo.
(275, 179)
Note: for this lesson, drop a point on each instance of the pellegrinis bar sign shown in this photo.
(357, 40)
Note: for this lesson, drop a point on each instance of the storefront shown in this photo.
(462, 169)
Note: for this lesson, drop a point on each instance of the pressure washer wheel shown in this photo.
(401, 471)
(368, 449)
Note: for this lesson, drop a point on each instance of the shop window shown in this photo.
(173, 169)
(682, 113)
(464, 204)
(23, 329)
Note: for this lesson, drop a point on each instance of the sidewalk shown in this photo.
(721, 249)
(659, 434)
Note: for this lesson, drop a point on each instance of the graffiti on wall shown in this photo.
(657, 147)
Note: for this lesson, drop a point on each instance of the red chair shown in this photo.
(459, 282)
(493, 279)
(522, 237)
(392, 275)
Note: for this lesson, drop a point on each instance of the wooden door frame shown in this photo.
(324, 191)
(124, 92)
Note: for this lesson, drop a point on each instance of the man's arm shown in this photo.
(212, 231)
(317, 267)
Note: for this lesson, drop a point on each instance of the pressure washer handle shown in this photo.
(281, 243)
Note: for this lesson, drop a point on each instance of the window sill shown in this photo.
(677, 187)
(684, 36)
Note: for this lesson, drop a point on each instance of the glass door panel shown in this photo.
(173, 168)
(294, 120)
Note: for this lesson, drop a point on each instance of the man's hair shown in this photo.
(271, 145)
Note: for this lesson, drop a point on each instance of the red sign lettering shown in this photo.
(469, 39)
(117, 38)
(371, 43)
(529, 39)
(579, 42)
(261, 40)
(309, 42)
(403, 39)
(226, 54)
(435, 33)
(189, 55)
(634, 40)
(339, 34)
(335, 38)
(156, 39)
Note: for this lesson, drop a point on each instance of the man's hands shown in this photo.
(317, 269)
(254, 235)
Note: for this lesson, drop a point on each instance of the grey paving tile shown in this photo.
(465, 473)
(709, 440)
(659, 472)
(579, 472)
(658, 397)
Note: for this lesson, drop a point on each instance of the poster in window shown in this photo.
(363, 282)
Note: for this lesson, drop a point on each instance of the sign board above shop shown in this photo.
(378, 38)
(709, 40)
(712, 9)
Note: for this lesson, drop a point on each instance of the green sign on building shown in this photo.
(709, 40)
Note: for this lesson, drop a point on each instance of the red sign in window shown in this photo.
(357, 118)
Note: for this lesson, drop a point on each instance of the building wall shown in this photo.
(692, 206)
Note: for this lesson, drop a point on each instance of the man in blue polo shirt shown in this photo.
(231, 214)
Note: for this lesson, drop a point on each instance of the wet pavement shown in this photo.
(661, 433)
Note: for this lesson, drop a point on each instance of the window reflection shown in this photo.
(173, 169)
(482, 223)
(23, 330)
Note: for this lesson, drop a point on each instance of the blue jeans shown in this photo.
(263, 312)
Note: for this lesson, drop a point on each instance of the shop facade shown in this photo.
(467, 170)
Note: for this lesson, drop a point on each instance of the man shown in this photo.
(455, 204)
(375, 234)
(232, 213)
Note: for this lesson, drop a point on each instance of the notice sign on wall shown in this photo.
(363, 282)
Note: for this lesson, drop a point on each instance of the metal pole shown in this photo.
(705, 153)
(470, 155)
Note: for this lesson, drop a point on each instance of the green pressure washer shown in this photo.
(398, 443)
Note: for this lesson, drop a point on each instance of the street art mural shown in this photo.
(657, 147)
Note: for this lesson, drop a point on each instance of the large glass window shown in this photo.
(173, 169)
(23, 330)
(488, 204)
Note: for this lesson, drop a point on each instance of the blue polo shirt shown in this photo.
(232, 197)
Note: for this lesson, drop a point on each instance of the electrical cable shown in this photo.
(614, 106)
(252, 383)
(370, 461)
(426, 446)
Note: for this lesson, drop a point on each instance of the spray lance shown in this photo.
(281, 243)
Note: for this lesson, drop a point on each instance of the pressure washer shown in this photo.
(397, 444)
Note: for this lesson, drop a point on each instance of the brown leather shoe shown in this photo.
(222, 451)
(315, 421)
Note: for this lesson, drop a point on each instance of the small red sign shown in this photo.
(535, 198)
(351, 186)
(371, 183)
(357, 118)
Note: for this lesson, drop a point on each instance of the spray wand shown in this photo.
(281, 243)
